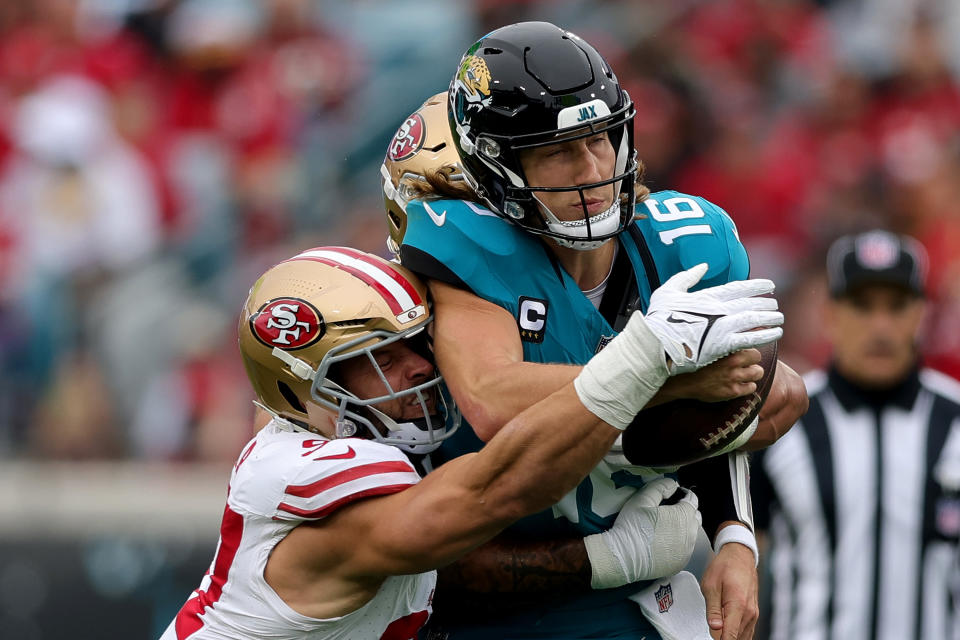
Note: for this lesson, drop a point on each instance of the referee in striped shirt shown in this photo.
(859, 501)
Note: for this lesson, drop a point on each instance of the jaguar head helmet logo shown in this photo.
(474, 77)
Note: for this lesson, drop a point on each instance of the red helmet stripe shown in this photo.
(398, 293)
(386, 268)
(394, 305)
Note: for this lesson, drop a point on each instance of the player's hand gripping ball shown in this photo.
(685, 431)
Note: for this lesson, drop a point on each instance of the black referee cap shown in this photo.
(876, 257)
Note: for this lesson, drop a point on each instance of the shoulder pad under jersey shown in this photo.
(299, 476)
(459, 235)
(683, 230)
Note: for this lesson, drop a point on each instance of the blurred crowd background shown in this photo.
(157, 155)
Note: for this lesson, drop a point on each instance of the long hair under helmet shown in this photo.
(529, 85)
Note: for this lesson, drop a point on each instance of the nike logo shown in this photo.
(346, 455)
(437, 219)
(675, 320)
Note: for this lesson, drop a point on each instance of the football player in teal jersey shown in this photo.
(537, 256)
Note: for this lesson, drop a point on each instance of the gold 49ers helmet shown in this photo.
(423, 144)
(327, 305)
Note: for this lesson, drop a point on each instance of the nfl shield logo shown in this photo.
(664, 597)
(604, 341)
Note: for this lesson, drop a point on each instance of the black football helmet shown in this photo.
(533, 84)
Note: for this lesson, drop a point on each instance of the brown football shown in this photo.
(684, 431)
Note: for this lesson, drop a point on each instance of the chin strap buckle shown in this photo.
(297, 366)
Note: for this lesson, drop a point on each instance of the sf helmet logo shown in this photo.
(408, 139)
(288, 323)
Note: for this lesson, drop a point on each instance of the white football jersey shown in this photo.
(281, 479)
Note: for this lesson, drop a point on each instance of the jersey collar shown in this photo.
(851, 396)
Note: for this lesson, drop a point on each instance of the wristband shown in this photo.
(606, 571)
(617, 383)
(738, 533)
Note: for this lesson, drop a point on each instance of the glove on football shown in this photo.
(699, 327)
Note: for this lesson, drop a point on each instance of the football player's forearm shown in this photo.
(530, 465)
(506, 565)
(541, 454)
(570, 431)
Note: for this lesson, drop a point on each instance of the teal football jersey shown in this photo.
(474, 248)
(557, 323)
(515, 270)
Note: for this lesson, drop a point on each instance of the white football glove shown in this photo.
(694, 329)
(699, 327)
(648, 539)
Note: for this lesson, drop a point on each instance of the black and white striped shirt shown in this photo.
(861, 505)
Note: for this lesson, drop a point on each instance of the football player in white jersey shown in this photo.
(329, 531)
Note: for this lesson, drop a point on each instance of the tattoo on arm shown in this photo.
(507, 576)
(509, 565)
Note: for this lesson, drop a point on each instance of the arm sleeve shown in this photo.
(710, 480)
